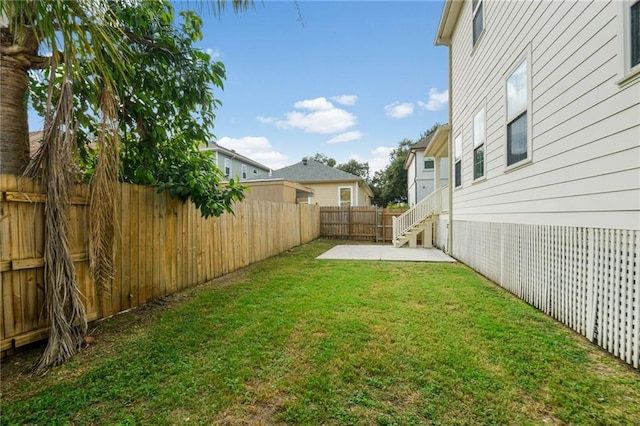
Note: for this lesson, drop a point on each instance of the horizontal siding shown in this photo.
(585, 128)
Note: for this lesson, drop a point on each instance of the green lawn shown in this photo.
(294, 340)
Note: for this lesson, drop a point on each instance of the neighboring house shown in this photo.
(277, 190)
(544, 102)
(421, 172)
(234, 165)
(331, 186)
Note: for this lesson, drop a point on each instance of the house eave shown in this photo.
(439, 143)
(448, 21)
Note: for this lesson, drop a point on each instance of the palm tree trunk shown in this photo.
(14, 127)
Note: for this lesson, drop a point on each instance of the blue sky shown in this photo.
(351, 81)
(354, 81)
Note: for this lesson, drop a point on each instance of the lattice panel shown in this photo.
(586, 278)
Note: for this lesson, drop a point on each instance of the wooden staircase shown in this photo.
(418, 220)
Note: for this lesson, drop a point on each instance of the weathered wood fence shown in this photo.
(358, 223)
(161, 246)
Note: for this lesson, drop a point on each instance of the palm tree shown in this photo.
(84, 31)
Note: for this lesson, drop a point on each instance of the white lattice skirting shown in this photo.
(589, 279)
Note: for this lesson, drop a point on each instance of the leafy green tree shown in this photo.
(322, 158)
(390, 185)
(355, 168)
(166, 108)
(393, 182)
(93, 45)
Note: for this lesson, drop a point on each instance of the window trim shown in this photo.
(457, 158)
(245, 171)
(424, 164)
(350, 188)
(474, 11)
(228, 161)
(483, 144)
(526, 56)
(629, 74)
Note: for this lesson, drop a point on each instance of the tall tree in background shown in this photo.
(355, 167)
(324, 159)
(390, 185)
(89, 45)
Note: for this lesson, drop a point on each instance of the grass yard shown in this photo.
(294, 340)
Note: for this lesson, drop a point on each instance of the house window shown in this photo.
(517, 126)
(457, 155)
(344, 194)
(227, 168)
(635, 33)
(479, 125)
(429, 163)
(478, 24)
(244, 171)
(255, 172)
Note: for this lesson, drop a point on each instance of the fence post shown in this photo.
(376, 214)
(394, 229)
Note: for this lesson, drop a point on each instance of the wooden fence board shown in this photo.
(358, 223)
(160, 246)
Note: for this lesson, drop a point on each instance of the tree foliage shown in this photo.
(118, 70)
(166, 107)
(355, 167)
(390, 184)
(324, 159)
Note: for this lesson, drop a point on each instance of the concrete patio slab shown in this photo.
(385, 252)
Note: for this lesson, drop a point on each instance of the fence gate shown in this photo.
(358, 223)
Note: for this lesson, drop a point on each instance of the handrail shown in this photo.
(429, 205)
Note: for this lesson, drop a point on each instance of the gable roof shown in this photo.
(214, 147)
(418, 146)
(307, 171)
(312, 171)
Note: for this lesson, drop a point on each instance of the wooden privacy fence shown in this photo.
(358, 223)
(161, 246)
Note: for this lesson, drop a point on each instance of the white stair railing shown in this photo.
(429, 205)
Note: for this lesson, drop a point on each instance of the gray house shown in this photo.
(233, 164)
(331, 186)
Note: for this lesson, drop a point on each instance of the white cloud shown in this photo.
(346, 137)
(321, 117)
(317, 104)
(214, 53)
(399, 110)
(266, 120)
(379, 158)
(437, 100)
(349, 100)
(257, 148)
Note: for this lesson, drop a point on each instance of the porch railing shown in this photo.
(431, 204)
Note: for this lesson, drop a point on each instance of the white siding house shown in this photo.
(421, 172)
(545, 172)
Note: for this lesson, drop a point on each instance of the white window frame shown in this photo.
(629, 74)
(474, 12)
(524, 57)
(424, 163)
(480, 143)
(245, 171)
(340, 188)
(228, 165)
(457, 158)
